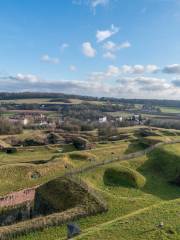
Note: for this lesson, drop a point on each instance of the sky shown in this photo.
(112, 48)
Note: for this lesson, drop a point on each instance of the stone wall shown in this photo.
(15, 214)
(17, 198)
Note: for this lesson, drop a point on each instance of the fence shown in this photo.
(117, 159)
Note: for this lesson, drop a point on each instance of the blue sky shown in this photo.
(119, 48)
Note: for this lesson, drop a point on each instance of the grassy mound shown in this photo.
(166, 163)
(63, 193)
(124, 176)
(83, 156)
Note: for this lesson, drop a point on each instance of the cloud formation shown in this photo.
(63, 46)
(102, 35)
(88, 50)
(172, 69)
(129, 87)
(113, 47)
(95, 3)
(92, 3)
(46, 58)
(109, 55)
(130, 81)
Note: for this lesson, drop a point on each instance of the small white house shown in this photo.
(136, 117)
(102, 119)
(119, 119)
(25, 121)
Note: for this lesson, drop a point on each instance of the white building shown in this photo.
(103, 120)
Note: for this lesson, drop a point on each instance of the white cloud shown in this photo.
(152, 68)
(64, 46)
(95, 3)
(88, 50)
(92, 3)
(127, 69)
(143, 84)
(172, 69)
(109, 55)
(28, 77)
(129, 87)
(124, 45)
(102, 35)
(111, 48)
(72, 68)
(48, 59)
(112, 71)
(138, 69)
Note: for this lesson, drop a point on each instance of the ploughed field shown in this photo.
(142, 194)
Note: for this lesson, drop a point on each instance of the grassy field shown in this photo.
(39, 101)
(170, 109)
(48, 101)
(134, 213)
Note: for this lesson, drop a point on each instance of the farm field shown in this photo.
(170, 110)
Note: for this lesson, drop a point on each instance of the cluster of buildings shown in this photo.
(32, 118)
(135, 118)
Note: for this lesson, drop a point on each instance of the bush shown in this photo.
(81, 143)
(124, 176)
(7, 127)
(10, 150)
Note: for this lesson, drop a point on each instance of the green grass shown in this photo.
(123, 176)
(25, 156)
(133, 212)
(123, 201)
(170, 109)
(142, 224)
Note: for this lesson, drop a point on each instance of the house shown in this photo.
(119, 119)
(102, 119)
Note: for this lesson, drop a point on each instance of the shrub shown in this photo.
(124, 176)
(7, 127)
